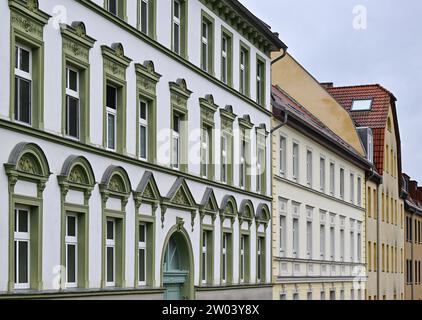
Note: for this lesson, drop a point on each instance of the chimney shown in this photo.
(420, 195)
(413, 190)
(327, 85)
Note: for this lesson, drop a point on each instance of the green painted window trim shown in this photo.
(76, 47)
(227, 120)
(229, 255)
(229, 35)
(27, 162)
(245, 127)
(149, 222)
(261, 61)
(146, 83)
(53, 138)
(261, 142)
(183, 28)
(210, 254)
(116, 185)
(207, 19)
(247, 253)
(180, 95)
(208, 110)
(78, 177)
(115, 65)
(27, 23)
(182, 60)
(121, 9)
(152, 18)
(261, 236)
(247, 49)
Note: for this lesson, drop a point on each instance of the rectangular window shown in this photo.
(359, 191)
(295, 237)
(144, 17)
(260, 168)
(110, 253)
(23, 84)
(322, 174)
(342, 245)
(352, 188)
(260, 82)
(244, 147)
(224, 157)
(205, 46)
(332, 179)
(204, 259)
(143, 129)
(176, 142)
(332, 244)
(322, 295)
(352, 246)
(72, 103)
(342, 183)
(295, 162)
(359, 247)
(244, 67)
(224, 59)
(283, 226)
(113, 7)
(226, 265)
(283, 156)
(111, 108)
(22, 239)
(205, 151)
(71, 251)
(322, 241)
(242, 258)
(142, 255)
(309, 296)
(309, 239)
(309, 169)
(177, 15)
(261, 259)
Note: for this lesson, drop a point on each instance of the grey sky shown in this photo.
(320, 35)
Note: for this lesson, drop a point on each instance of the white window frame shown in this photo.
(259, 81)
(177, 21)
(224, 245)
(359, 191)
(352, 188)
(205, 151)
(75, 95)
(242, 258)
(342, 244)
(26, 76)
(243, 169)
(204, 252)
(224, 59)
(225, 158)
(146, 2)
(342, 183)
(259, 168)
(72, 241)
(259, 253)
(22, 237)
(242, 76)
(332, 179)
(205, 45)
(295, 161)
(352, 246)
(283, 156)
(332, 243)
(296, 236)
(143, 123)
(309, 167)
(283, 227)
(112, 112)
(322, 174)
(142, 246)
(175, 158)
(309, 237)
(322, 241)
(111, 243)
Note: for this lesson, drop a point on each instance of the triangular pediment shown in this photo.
(147, 189)
(209, 202)
(180, 195)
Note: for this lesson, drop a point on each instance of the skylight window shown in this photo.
(361, 105)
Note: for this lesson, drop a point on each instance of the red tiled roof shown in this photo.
(283, 99)
(376, 118)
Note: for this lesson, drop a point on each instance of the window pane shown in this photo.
(142, 265)
(24, 60)
(73, 80)
(111, 101)
(23, 262)
(176, 38)
(176, 124)
(72, 117)
(71, 226)
(176, 9)
(112, 6)
(23, 221)
(111, 123)
(71, 263)
(110, 230)
(23, 100)
(144, 17)
(142, 234)
(143, 110)
(143, 141)
(110, 264)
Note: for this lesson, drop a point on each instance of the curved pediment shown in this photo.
(228, 206)
(246, 210)
(77, 170)
(28, 158)
(116, 180)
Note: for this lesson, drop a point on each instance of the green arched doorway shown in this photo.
(177, 267)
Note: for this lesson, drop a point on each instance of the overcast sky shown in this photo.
(320, 34)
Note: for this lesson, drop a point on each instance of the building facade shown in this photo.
(373, 109)
(413, 231)
(134, 150)
(318, 208)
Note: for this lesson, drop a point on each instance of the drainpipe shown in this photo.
(279, 58)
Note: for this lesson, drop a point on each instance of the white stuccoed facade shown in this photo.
(57, 150)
